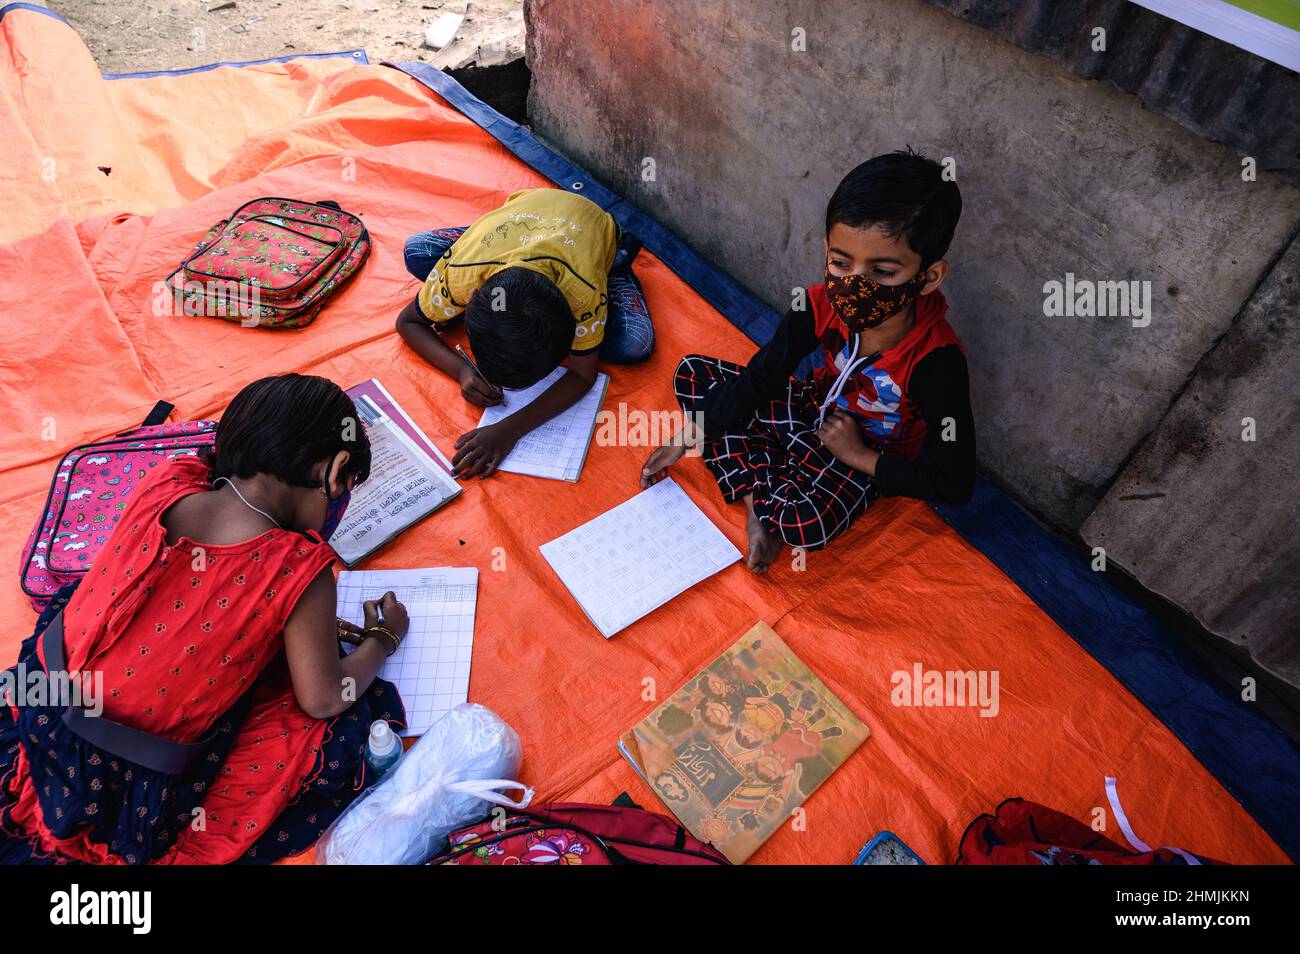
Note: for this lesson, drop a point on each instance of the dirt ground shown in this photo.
(176, 34)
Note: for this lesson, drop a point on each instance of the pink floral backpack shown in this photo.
(576, 833)
(89, 492)
(272, 264)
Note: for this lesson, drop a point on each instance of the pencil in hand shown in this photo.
(482, 377)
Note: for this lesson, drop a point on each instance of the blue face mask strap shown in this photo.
(334, 509)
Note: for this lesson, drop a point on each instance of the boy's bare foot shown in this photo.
(763, 547)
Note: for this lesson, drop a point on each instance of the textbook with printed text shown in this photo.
(409, 477)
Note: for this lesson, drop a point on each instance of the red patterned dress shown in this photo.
(180, 633)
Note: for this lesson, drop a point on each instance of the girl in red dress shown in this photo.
(232, 728)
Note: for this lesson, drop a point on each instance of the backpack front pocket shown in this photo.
(277, 254)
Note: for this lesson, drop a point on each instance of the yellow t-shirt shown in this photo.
(564, 237)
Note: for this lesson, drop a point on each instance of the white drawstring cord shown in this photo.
(1112, 795)
(840, 383)
(486, 789)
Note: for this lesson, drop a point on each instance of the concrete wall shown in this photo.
(1207, 512)
(1217, 90)
(1059, 175)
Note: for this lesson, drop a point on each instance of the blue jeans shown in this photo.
(629, 333)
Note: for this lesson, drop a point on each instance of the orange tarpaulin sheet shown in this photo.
(108, 183)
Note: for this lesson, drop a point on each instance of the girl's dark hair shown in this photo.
(904, 193)
(284, 425)
(520, 327)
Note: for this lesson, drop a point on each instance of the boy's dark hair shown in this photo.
(283, 425)
(904, 193)
(520, 327)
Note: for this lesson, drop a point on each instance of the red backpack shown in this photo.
(1026, 833)
(272, 264)
(577, 834)
(89, 492)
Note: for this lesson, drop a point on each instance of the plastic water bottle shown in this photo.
(383, 748)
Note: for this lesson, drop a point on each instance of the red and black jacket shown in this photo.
(906, 400)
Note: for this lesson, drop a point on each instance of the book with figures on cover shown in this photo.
(743, 744)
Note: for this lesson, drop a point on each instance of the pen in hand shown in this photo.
(470, 361)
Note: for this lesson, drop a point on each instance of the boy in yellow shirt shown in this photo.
(545, 276)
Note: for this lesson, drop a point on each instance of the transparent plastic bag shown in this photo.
(444, 782)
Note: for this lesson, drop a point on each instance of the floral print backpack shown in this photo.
(272, 264)
(89, 491)
(574, 833)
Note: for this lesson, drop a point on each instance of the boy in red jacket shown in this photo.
(887, 414)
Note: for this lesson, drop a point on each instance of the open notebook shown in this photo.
(431, 667)
(638, 556)
(558, 448)
(409, 477)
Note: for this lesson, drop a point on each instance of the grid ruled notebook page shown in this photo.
(557, 448)
(431, 668)
(638, 556)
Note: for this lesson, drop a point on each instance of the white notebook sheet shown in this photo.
(431, 667)
(558, 448)
(636, 557)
